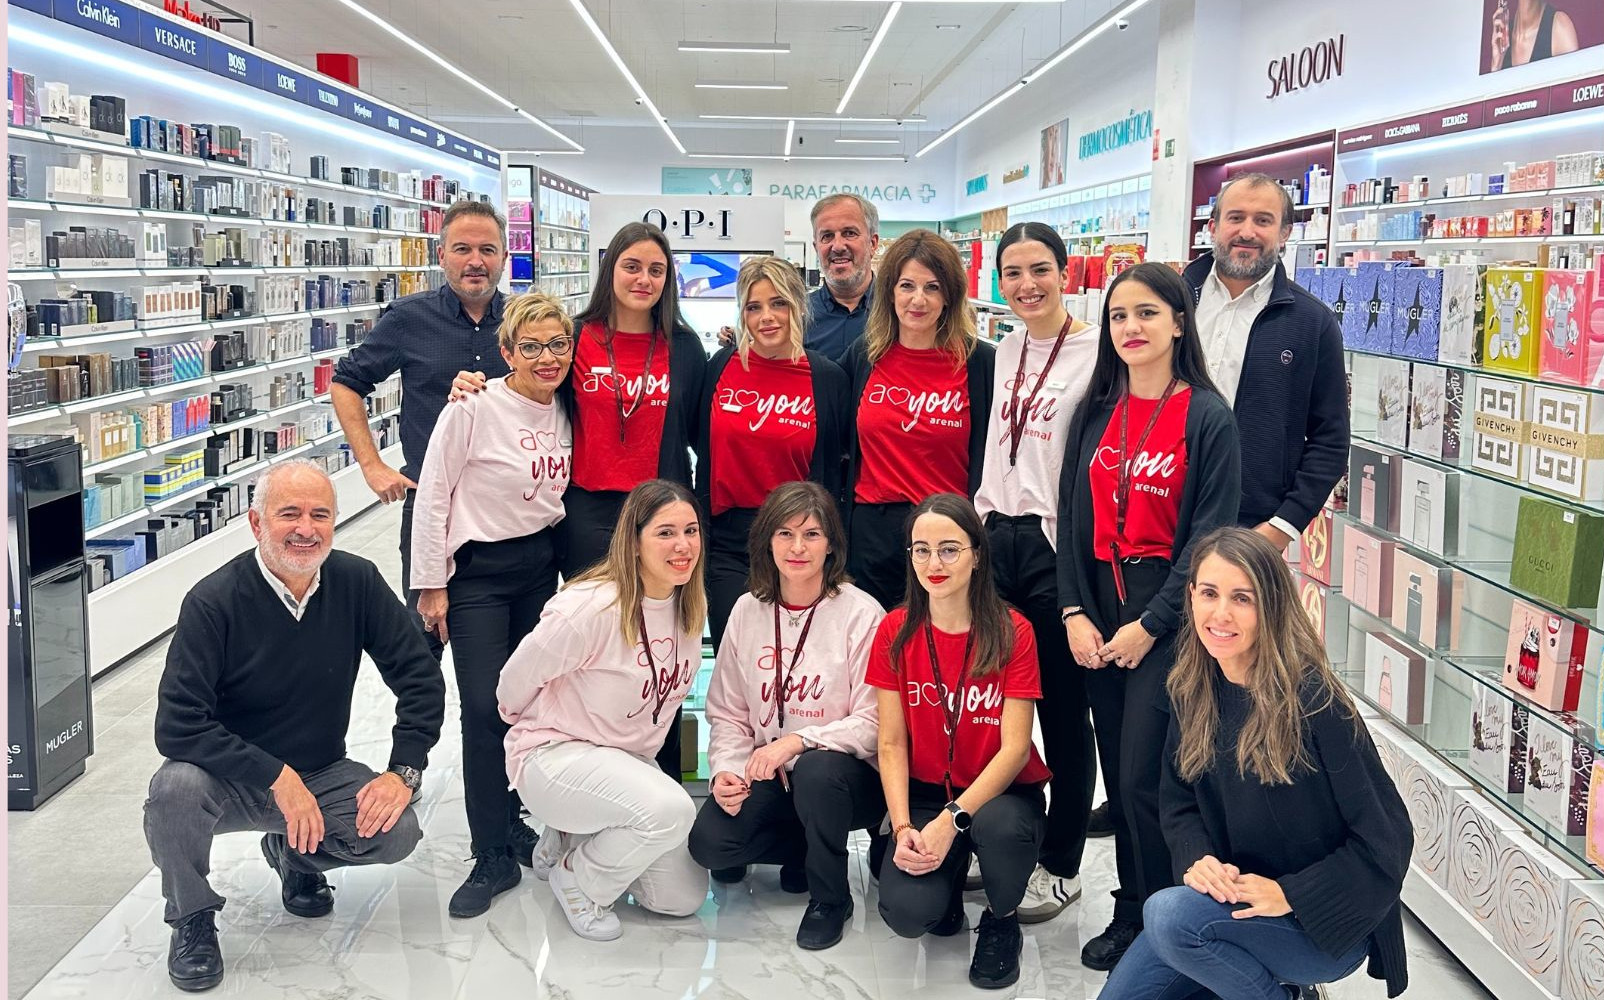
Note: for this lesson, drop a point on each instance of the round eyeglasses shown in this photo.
(533, 349)
(948, 553)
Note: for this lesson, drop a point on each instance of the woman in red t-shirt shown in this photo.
(771, 413)
(956, 669)
(1152, 464)
(921, 383)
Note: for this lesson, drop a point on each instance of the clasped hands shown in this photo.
(766, 763)
(1227, 884)
(1125, 649)
(921, 851)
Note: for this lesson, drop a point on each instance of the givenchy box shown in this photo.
(1514, 312)
(1373, 486)
(1498, 727)
(1499, 426)
(1436, 401)
(1543, 658)
(1392, 403)
(1567, 353)
(1428, 506)
(1427, 601)
(1367, 570)
(1559, 553)
(1417, 312)
(1460, 337)
(1565, 442)
(1396, 679)
(1559, 766)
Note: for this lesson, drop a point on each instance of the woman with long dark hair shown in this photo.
(1290, 840)
(1152, 464)
(956, 669)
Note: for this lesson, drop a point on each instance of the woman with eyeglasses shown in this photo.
(772, 413)
(1152, 465)
(956, 669)
(792, 724)
(489, 494)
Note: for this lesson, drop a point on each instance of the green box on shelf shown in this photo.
(1559, 553)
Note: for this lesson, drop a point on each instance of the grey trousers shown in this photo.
(187, 806)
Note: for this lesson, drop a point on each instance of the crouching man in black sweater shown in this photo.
(252, 715)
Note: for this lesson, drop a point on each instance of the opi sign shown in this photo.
(1313, 64)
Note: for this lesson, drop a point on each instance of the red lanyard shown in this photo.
(1122, 492)
(660, 690)
(951, 700)
(618, 392)
(1019, 416)
(782, 678)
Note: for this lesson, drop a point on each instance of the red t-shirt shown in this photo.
(601, 460)
(913, 427)
(1157, 474)
(762, 430)
(979, 735)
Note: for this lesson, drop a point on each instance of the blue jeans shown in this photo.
(1191, 946)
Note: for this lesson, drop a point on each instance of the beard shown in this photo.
(851, 283)
(285, 562)
(1252, 270)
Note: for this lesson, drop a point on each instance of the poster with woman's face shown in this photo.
(1517, 32)
(1054, 152)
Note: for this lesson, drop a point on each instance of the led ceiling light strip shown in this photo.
(790, 133)
(612, 53)
(540, 152)
(738, 85)
(874, 46)
(777, 156)
(870, 142)
(440, 61)
(909, 120)
(765, 48)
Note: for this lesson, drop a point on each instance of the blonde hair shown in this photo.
(621, 566)
(787, 282)
(957, 333)
(520, 311)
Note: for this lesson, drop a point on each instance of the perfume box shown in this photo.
(1315, 546)
(1392, 403)
(1315, 599)
(1531, 887)
(1460, 333)
(1428, 506)
(1559, 770)
(1543, 657)
(1417, 312)
(1367, 319)
(1498, 420)
(1367, 570)
(1373, 486)
(1337, 287)
(1498, 725)
(1436, 405)
(1513, 310)
(1565, 449)
(1567, 353)
(1559, 553)
(1427, 601)
(1395, 679)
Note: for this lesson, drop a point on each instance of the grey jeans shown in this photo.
(187, 806)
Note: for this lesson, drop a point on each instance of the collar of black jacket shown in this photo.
(1197, 272)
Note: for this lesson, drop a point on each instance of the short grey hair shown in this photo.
(871, 215)
(1255, 180)
(263, 483)
(482, 209)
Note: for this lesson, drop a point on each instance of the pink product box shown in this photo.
(1427, 601)
(1367, 570)
(1572, 349)
(1396, 679)
(1543, 658)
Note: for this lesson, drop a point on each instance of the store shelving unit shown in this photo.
(1089, 217)
(1288, 161)
(562, 239)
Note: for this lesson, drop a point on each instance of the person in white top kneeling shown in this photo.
(590, 694)
(793, 725)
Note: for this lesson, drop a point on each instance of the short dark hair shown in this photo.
(1038, 232)
(482, 209)
(786, 503)
(1255, 180)
(1187, 363)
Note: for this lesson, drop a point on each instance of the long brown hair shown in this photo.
(957, 332)
(786, 503)
(621, 566)
(989, 620)
(1288, 655)
(666, 318)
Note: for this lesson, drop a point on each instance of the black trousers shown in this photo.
(410, 595)
(496, 596)
(877, 551)
(1026, 570)
(831, 795)
(1131, 712)
(727, 566)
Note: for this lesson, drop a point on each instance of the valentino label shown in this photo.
(549, 467)
(939, 409)
(789, 411)
(982, 703)
(664, 677)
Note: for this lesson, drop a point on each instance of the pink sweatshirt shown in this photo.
(573, 678)
(826, 701)
(497, 468)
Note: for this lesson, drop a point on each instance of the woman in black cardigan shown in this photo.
(921, 388)
(770, 413)
(1152, 464)
(1291, 840)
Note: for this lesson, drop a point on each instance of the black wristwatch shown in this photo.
(410, 776)
(960, 816)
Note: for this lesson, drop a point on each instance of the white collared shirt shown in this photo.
(294, 607)
(1224, 323)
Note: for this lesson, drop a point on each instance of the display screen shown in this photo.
(708, 275)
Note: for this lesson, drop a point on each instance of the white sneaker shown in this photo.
(588, 918)
(1046, 895)
(548, 851)
(972, 881)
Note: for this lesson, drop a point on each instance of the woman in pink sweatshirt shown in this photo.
(489, 493)
(793, 725)
(590, 694)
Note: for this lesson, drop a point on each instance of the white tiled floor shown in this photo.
(389, 936)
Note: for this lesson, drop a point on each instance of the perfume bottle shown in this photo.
(1526, 668)
(1414, 607)
(1422, 533)
(1384, 684)
(1361, 580)
(1367, 496)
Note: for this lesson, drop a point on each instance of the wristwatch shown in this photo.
(960, 816)
(410, 776)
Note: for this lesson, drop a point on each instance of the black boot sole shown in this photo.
(196, 984)
(461, 912)
(1102, 965)
(845, 919)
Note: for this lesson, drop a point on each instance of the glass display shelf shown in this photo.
(1478, 371)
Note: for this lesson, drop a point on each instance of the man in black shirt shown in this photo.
(846, 234)
(253, 710)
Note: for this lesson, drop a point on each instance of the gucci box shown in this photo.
(1367, 570)
(1460, 337)
(1315, 545)
(1559, 766)
(1498, 727)
(1428, 506)
(1513, 315)
(1392, 403)
(1543, 658)
(1396, 679)
(1367, 320)
(1559, 553)
(1498, 421)
(1417, 312)
(1565, 442)
(1427, 600)
(1373, 486)
(1436, 406)
(1568, 353)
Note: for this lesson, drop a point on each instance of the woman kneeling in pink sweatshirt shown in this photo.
(590, 695)
(793, 725)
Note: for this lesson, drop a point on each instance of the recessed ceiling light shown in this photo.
(850, 27)
(766, 48)
(910, 119)
(832, 79)
(948, 27)
(870, 142)
(738, 85)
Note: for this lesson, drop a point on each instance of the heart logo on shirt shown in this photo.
(663, 650)
(745, 397)
(546, 440)
(1029, 383)
(897, 395)
(1108, 458)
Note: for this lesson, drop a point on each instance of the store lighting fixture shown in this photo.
(763, 48)
(1313, 147)
(874, 46)
(909, 120)
(870, 142)
(1074, 45)
(618, 61)
(1497, 133)
(739, 85)
(440, 61)
(777, 156)
(505, 153)
(790, 133)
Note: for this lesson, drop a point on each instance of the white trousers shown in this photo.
(627, 821)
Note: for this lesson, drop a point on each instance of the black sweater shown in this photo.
(1294, 392)
(1337, 839)
(248, 689)
(1209, 499)
(831, 409)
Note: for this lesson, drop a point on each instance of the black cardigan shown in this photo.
(831, 410)
(1209, 500)
(1337, 838)
(981, 362)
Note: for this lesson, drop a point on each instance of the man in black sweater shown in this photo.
(252, 714)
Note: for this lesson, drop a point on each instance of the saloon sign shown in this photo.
(1311, 65)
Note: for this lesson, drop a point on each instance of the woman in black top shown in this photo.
(1152, 464)
(1291, 840)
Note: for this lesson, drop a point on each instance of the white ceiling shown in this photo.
(541, 56)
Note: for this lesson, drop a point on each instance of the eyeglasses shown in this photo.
(947, 553)
(532, 349)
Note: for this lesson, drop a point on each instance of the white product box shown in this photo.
(1558, 772)
(153, 243)
(1436, 404)
(16, 246)
(62, 183)
(1459, 340)
(1392, 403)
(1499, 443)
(55, 101)
(1566, 450)
(78, 110)
(1498, 725)
(1428, 507)
(113, 173)
(1397, 678)
(1529, 915)
(33, 243)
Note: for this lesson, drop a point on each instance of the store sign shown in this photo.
(976, 185)
(173, 41)
(1019, 173)
(103, 17)
(707, 180)
(1574, 95)
(1134, 127)
(693, 222)
(236, 64)
(1309, 67)
(871, 192)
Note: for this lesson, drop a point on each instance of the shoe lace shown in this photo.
(482, 865)
(198, 929)
(1041, 881)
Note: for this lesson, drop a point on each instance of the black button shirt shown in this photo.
(832, 327)
(428, 338)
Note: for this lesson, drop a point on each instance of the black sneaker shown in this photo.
(305, 894)
(822, 925)
(793, 879)
(523, 840)
(494, 872)
(1098, 824)
(953, 920)
(1104, 951)
(997, 950)
(194, 960)
(729, 876)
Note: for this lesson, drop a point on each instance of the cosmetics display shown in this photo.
(1417, 296)
(1514, 314)
(1498, 725)
(1559, 553)
(1566, 454)
(1436, 408)
(1315, 547)
(1392, 404)
(1396, 679)
(1572, 346)
(1543, 659)
(1428, 508)
(1498, 444)
(1367, 570)
(1427, 601)
(1559, 771)
(1374, 485)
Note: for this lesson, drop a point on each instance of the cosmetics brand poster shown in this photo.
(1517, 32)
(1054, 153)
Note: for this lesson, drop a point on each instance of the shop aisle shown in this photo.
(85, 903)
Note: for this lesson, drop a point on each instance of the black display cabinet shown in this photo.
(51, 731)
